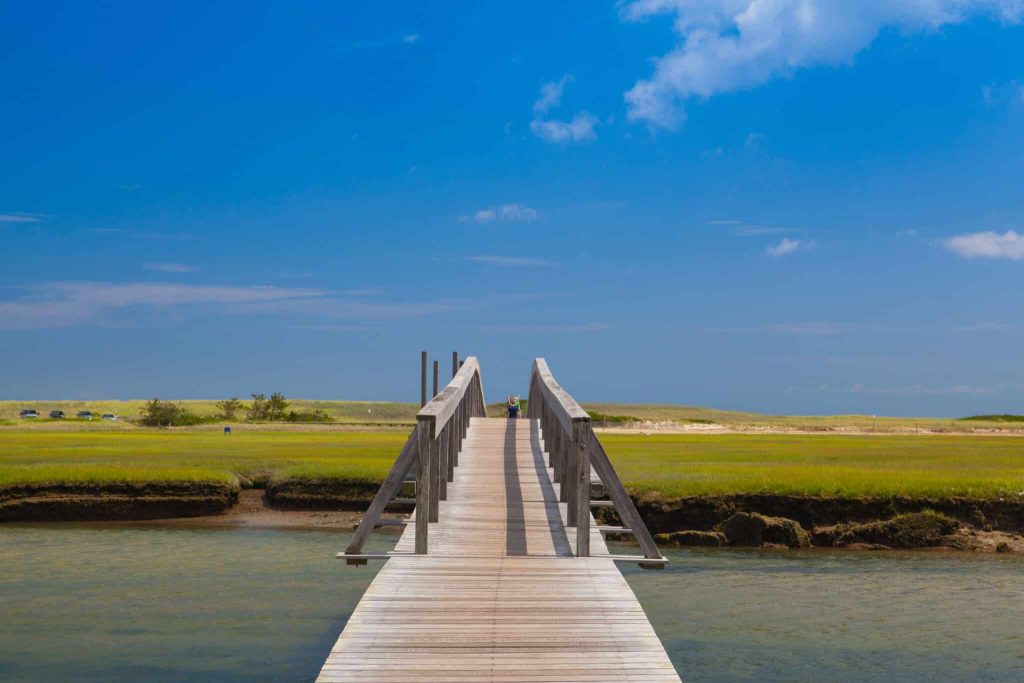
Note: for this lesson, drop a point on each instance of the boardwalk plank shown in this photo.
(500, 596)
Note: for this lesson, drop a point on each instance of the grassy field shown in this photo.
(666, 465)
(829, 465)
(35, 457)
(353, 412)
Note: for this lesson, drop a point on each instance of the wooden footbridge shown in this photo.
(501, 573)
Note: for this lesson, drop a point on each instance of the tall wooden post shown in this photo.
(581, 444)
(435, 479)
(455, 363)
(422, 479)
(423, 378)
(435, 378)
(442, 459)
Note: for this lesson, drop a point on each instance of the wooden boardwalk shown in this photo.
(500, 596)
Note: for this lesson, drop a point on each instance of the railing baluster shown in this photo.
(581, 439)
(422, 486)
(435, 479)
(442, 457)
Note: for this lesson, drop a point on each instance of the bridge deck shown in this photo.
(499, 597)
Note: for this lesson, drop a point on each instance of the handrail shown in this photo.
(441, 425)
(433, 446)
(574, 449)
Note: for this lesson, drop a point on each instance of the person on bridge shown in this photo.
(513, 407)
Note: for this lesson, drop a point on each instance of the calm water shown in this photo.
(95, 603)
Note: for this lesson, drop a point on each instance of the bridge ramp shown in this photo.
(499, 596)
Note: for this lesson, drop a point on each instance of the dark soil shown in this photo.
(115, 501)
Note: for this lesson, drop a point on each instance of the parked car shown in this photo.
(29, 413)
(109, 416)
(57, 414)
(84, 414)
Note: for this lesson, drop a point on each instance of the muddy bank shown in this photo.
(704, 513)
(320, 494)
(81, 502)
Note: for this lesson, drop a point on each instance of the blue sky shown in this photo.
(792, 206)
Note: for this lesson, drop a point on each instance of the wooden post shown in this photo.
(581, 445)
(435, 479)
(422, 478)
(423, 378)
(455, 363)
(453, 455)
(569, 471)
(442, 457)
(435, 378)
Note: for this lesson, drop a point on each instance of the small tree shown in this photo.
(276, 406)
(258, 408)
(157, 413)
(229, 407)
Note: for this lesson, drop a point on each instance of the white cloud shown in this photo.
(730, 45)
(786, 246)
(579, 129)
(58, 304)
(411, 38)
(1009, 245)
(61, 304)
(19, 218)
(753, 141)
(506, 213)
(550, 95)
(510, 260)
(725, 221)
(169, 267)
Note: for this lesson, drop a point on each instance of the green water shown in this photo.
(101, 603)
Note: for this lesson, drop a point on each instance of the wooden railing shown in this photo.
(574, 449)
(433, 447)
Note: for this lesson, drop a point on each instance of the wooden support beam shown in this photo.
(435, 379)
(392, 484)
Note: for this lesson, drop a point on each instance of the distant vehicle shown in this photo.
(57, 414)
(109, 416)
(84, 414)
(29, 413)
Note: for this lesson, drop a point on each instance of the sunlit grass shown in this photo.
(54, 457)
(822, 465)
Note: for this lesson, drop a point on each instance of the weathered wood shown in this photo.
(623, 503)
(581, 446)
(455, 363)
(435, 481)
(435, 379)
(423, 378)
(392, 484)
(422, 486)
(500, 596)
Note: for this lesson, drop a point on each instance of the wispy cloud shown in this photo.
(145, 235)
(379, 43)
(169, 267)
(783, 248)
(731, 45)
(579, 129)
(807, 328)
(510, 260)
(760, 231)
(726, 221)
(550, 95)
(558, 328)
(58, 304)
(20, 217)
(984, 327)
(505, 213)
(1009, 245)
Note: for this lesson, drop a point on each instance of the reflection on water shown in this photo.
(96, 603)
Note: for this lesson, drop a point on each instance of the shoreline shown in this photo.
(703, 521)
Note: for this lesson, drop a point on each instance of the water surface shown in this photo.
(107, 602)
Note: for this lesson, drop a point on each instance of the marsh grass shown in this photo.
(153, 455)
(819, 465)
